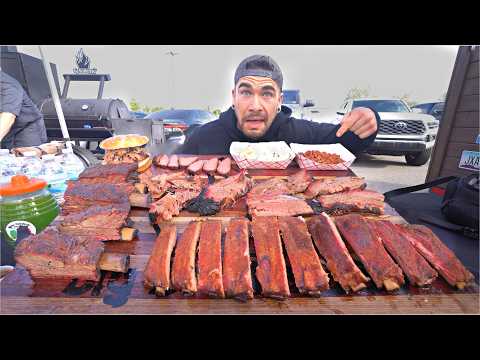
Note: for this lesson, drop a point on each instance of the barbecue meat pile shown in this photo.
(334, 185)
(52, 254)
(353, 201)
(99, 222)
(127, 155)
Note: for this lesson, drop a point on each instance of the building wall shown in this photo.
(459, 126)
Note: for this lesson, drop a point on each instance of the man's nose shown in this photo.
(255, 104)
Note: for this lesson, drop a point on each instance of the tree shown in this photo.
(156, 109)
(356, 93)
(217, 112)
(134, 105)
(146, 109)
(406, 97)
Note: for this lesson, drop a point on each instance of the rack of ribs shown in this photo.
(354, 200)
(277, 205)
(237, 279)
(367, 246)
(111, 174)
(417, 269)
(271, 270)
(334, 185)
(438, 255)
(79, 197)
(227, 191)
(310, 278)
(99, 222)
(52, 254)
(183, 270)
(333, 250)
(210, 260)
(157, 270)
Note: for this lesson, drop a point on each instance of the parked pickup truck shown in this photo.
(402, 131)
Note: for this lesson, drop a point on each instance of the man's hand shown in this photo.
(361, 121)
(6, 121)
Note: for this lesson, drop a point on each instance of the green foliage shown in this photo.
(217, 112)
(356, 93)
(134, 105)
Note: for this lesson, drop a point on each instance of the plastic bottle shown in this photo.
(8, 166)
(72, 164)
(55, 175)
(31, 165)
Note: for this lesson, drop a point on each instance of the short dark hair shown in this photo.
(259, 65)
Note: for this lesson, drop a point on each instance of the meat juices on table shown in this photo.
(438, 255)
(332, 248)
(310, 278)
(334, 185)
(224, 166)
(210, 260)
(210, 165)
(271, 270)
(237, 279)
(157, 270)
(417, 269)
(381, 267)
(183, 270)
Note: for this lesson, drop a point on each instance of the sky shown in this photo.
(201, 76)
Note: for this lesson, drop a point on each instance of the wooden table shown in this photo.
(125, 293)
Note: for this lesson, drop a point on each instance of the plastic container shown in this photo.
(26, 208)
(72, 164)
(31, 165)
(8, 166)
(55, 176)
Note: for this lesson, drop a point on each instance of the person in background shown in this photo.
(21, 123)
(257, 115)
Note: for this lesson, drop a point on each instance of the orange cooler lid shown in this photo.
(21, 184)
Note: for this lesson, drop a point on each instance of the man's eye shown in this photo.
(245, 92)
(268, 94)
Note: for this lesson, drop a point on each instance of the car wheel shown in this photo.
(418, 159)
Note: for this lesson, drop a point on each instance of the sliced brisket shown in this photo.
(277, 205)
(354, 200)
(224, 166)
(334, 185)
(227, 191)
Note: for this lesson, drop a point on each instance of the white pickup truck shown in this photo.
(402, 131)
(292, 99)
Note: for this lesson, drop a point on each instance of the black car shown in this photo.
(431, 108)
(178, 122)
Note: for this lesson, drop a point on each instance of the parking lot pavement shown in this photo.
(385, 173)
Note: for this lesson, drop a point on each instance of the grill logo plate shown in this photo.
(83, 63)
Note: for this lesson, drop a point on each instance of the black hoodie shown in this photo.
(215, 137)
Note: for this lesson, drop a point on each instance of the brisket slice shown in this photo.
(278, 205)
(196, 166)
(210, 166)
(367, 246)
(333, 249)
(210, 260)
(224, 166)
(270, 187)
(438, 255)
(271, 270)
(80, 196)
(227, 191)
(354, 200)
(237, 279)
(161, 160)
(157, 271)
(171, 204)
(310, 278)
(183, 270)
(298, 182)
(52, 254)
(186, 161)
(113, 173)
(173, 162)
(334, 185)
(417, 269)
(98, 222)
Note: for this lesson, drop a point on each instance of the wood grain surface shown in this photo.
(119, 293)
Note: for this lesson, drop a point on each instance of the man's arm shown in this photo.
(6, 121)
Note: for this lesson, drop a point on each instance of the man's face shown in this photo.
(256, 101)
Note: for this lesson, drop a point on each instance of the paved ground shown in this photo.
(385, 173)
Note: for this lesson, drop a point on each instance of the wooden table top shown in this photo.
(126, 294)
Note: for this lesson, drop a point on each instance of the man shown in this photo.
(21, 123)
(256, 115)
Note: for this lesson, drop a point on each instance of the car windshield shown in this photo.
(187, 116)
(382, 105)
(424, 108)
(291, 97)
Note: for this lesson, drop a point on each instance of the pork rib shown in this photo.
(334, 185)
(183, 270)
(417, 269)
(354, 200)
(237, 279)
(438, 255)
(157, 271)
(367, 246)
(278, 205)
(271, 269)
(210, 260)
(333, 249)
(310, 278)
